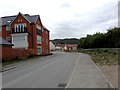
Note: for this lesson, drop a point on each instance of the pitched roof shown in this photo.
(8, 19)
(45, 28)
(4, 42)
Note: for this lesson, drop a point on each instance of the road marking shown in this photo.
(73, 72)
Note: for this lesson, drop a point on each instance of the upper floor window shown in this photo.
(19, 20)
(39, 39)
(20, 27)
(38, 29)
(7, 28)
(38, 26)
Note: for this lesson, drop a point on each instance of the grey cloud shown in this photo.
(91, 22)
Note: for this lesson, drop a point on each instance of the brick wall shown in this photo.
(22, 53)
(6, 52)
(9, 53)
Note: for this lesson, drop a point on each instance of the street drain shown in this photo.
(62, 85)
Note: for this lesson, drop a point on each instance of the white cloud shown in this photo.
(67, 18)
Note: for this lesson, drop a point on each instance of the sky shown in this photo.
(67, 18)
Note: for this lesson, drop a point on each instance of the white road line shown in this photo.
(73, 72)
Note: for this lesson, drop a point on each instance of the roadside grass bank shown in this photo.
(108, 61)
(103, 56)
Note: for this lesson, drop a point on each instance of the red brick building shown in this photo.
(26, 31)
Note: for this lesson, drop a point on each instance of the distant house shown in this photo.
(59, 46)
(70, 47)
(5, 49)
(52, 46)
(26, 32)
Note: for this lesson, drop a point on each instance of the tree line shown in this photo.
(66, 41)
(111, 39)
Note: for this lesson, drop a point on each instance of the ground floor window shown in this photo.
(39, 50)
(20, 40)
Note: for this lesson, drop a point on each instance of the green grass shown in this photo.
(103, 56)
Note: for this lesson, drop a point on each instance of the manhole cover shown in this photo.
(62, 85)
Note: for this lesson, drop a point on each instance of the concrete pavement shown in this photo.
(87, 75)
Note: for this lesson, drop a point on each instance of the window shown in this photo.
(20, 40)
(39, 49)
(18, 20)
(38, 26)
(38, 29)
(7, 28)
(8, 39)
(38, 39)
(20, 27)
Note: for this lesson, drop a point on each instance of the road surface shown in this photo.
(77, 70)
(44, 72)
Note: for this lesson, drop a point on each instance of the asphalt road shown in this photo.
(44, 72)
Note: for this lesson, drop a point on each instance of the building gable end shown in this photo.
(22, 16)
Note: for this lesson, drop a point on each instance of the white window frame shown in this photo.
(39, 39)
(20, 40)
(38, 26)
(21, 24)
(39, 48)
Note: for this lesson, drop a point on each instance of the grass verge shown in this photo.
(103, 56)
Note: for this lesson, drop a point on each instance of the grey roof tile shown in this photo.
(8, 19)
(5, 20)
